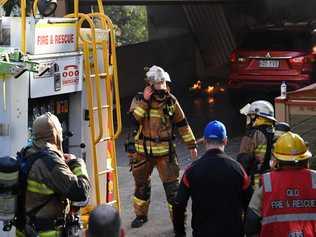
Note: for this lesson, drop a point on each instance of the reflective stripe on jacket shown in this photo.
(289, 203)
(254, 144)
(50, 178)
(51, 233)
(157, 120)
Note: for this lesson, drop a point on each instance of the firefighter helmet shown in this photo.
(260, 108)
(291, 147)
(156, 74)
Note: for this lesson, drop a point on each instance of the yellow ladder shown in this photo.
(100, 104)
(100, 79)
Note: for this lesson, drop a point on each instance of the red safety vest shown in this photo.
(289, 203)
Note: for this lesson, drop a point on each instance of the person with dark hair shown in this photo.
(105, 221)
(219, 189)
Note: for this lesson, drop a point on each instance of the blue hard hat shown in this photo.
(215, 130)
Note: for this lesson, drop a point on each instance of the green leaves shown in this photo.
(130, 23)
(12, 7)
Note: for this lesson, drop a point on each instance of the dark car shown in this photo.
(268, 56)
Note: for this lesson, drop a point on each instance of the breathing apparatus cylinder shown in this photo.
(9, 176)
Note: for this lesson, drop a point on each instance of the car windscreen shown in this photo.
(277, 40)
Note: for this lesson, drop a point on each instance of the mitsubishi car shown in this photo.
(268, 56)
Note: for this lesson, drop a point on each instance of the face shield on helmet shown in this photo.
(157, 78)
(259, 108)
(245, 111)
(47, 131)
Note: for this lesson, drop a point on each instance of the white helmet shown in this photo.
(157, 74)
(260, 108)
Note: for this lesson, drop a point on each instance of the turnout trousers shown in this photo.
(142, 169)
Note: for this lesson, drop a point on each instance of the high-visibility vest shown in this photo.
(289, 203)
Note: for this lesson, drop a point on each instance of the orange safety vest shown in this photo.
(289, 203)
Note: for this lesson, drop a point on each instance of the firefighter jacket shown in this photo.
(157, 120)
(254, 143)
(255, 151)
(286, 204)
(53, 181)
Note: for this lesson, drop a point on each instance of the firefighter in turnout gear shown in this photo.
(285, 204)
(256, 145)
(54, 179)
(157, 113)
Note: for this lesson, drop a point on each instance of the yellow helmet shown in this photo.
(291, 147)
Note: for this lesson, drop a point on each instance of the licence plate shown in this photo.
(269, 63)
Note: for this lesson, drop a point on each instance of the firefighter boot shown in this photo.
(139, 221)
(141, 210)
(141, 202)
(171, 189)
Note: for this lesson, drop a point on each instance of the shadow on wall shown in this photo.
(258, 12)
(272, 11)
(291, 10)
(177, 55)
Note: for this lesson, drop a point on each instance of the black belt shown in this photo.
(155, 139)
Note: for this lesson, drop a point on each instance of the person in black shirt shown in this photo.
(219, 188)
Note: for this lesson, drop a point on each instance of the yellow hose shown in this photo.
(2, 2)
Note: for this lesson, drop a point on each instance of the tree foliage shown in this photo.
(130, 23)
(12, 7)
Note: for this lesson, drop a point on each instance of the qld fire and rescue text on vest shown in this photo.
(294, 203)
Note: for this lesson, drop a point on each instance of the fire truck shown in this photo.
(66, 66)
